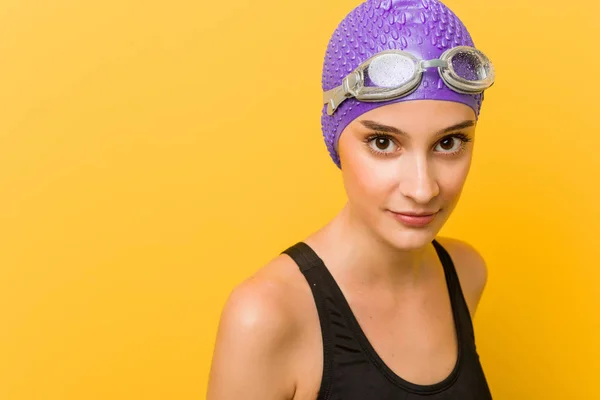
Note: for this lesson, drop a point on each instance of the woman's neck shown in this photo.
(355, 254)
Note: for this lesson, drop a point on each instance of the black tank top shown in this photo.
(352, 370)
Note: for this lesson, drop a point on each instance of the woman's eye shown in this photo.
(382, 144)
(449, 145)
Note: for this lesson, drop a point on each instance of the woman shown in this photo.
(373, 305)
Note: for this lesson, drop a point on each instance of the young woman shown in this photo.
(374, 305)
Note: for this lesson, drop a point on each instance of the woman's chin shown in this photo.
(411, 238)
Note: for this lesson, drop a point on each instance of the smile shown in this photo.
(413, 219)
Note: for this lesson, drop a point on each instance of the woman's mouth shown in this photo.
(415, 219)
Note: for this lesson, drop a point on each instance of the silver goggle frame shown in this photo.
(353, 85)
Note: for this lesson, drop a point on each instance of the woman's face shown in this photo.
(403, 158)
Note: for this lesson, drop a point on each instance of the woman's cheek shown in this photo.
(453, 180)
(371, 184)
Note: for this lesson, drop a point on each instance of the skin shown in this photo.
(269, 344)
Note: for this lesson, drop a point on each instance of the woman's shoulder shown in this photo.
(273, 296)
(264, 318)
(471, 269)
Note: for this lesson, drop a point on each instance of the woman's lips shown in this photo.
(413, 219)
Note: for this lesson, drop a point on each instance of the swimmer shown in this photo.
(374, 304)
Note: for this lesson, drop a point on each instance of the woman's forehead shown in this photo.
(418, 116)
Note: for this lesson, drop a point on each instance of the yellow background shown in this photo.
(155, 153)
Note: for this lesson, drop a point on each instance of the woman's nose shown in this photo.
(417, 179)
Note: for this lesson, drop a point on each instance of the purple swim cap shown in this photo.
(424, 28)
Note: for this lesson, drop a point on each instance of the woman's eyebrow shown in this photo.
(382, 128)
(391, 129)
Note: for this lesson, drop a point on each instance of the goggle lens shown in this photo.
(389, 71)
(470, 66)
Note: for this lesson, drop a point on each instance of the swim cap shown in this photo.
(424, 28)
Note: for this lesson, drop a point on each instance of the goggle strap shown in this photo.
(334, 98)
(337, 95)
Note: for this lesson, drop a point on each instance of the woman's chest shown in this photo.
(416, 342)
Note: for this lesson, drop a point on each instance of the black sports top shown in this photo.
(352, 370)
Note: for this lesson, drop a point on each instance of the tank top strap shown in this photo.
(459, 304)
(312, 267)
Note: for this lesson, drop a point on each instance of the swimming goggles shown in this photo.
(391, 74)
